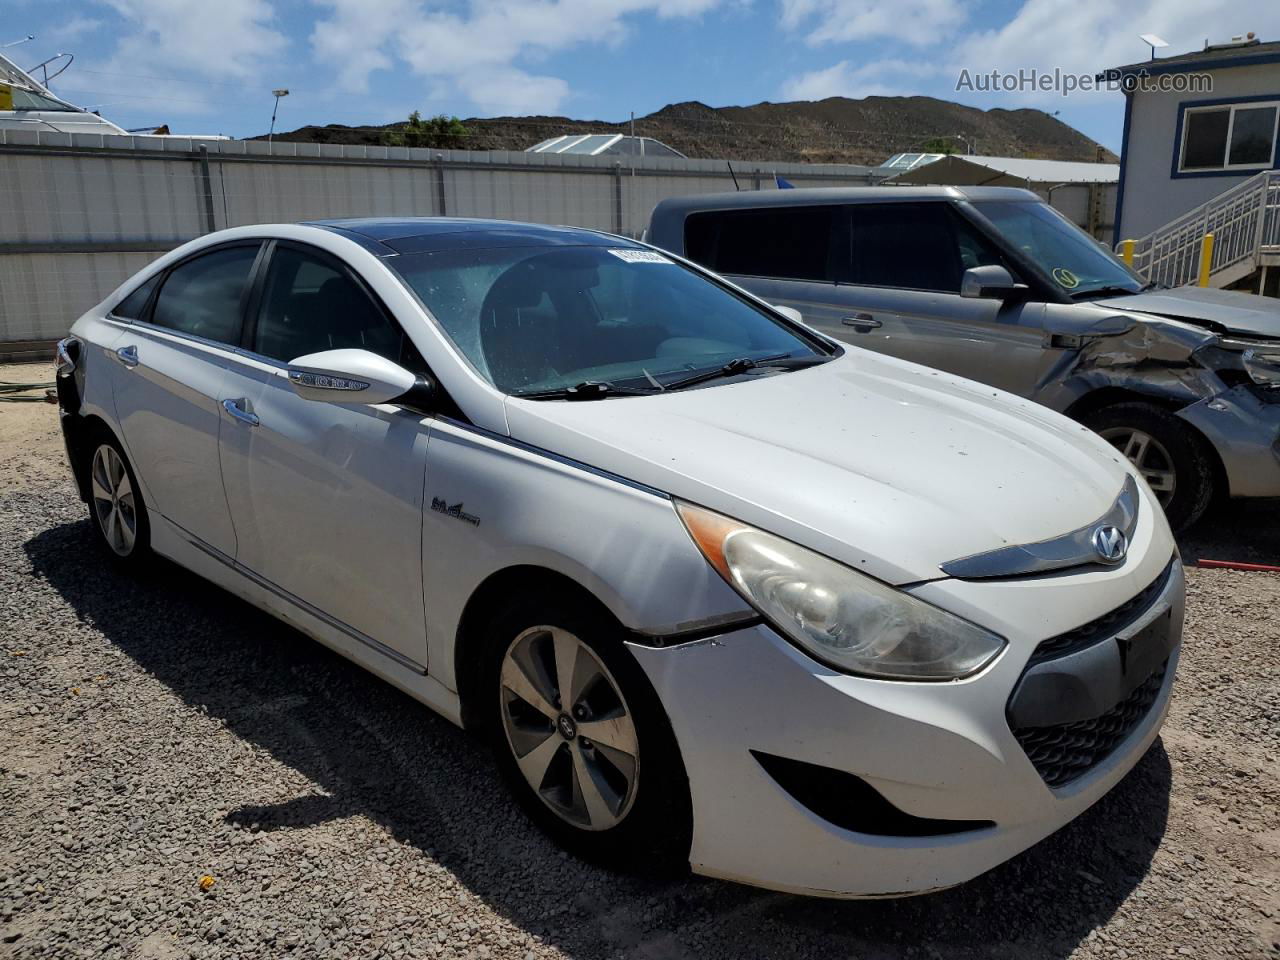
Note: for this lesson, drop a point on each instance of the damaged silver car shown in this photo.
(992, 284)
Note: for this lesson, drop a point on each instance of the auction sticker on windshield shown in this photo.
(640, 256)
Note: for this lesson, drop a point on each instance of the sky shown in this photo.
(209, 67)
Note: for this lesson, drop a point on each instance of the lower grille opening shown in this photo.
(851, 803)
(1067, 751)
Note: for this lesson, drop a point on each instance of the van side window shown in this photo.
(786, 243)
(914, 246)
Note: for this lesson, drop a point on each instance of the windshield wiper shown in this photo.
(740, 365)
(1108, 291)
(587, 390)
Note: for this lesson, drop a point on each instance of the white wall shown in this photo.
(79, 213)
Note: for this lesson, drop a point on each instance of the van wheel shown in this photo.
(581, 738)
(1167, 454)
(115, 503)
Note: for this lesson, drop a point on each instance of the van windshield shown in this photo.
(537, 319)
(1076, 262)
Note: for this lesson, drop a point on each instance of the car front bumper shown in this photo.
(935, 751)
(1245, 431)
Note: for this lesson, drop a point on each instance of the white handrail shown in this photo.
(1244, 221)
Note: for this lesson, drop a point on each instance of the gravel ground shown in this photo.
(157, 731)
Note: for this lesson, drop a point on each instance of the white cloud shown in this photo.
(1094, 35)
(226, 38)
(915, 22)
(482, 52)
(881, 78)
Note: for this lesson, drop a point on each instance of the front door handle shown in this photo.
(862, 322)
(235, 408)
(128, 355)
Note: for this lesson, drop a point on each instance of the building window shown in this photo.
(1229, 137)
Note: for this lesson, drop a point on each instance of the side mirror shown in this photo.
(355, 377)
(990, 283)
(791, 313)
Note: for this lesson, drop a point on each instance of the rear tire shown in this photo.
(597, 769)
(1165, 451)
(119, 516)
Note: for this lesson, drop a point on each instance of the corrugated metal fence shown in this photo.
(79, 213)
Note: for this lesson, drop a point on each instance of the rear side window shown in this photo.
(914, 246)
(310, 304)
(789, 243)
(202, 297)
(131, 307)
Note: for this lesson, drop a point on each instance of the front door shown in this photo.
(170, 367)
(327, 498)
(903, 297)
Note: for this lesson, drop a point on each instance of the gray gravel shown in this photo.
(158, 731)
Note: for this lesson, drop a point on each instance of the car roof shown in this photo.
(818, 196)
(390, 235)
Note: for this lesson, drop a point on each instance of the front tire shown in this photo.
(1167, 454)
(116, 509)
(580, 736)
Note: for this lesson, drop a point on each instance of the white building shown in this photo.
(1212, 126)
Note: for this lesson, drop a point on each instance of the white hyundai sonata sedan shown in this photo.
(716, 588)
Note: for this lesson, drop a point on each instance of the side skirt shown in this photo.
(176, 544)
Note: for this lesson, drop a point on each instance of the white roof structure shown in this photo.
(955, 170)
(605, 144)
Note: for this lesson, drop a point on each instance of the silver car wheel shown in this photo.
(1150, 457)
(113, 500)
(569, 728)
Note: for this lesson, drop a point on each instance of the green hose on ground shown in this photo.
(25, 392)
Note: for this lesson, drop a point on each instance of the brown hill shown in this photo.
(835, 130)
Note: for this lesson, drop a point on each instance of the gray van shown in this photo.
(992, 284)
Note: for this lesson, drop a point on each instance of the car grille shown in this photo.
(1107, 625)
(1065, 751)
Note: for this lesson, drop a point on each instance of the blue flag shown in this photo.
(783, 184)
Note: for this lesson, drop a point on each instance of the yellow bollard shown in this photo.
(1126, 252)
(1206, 259)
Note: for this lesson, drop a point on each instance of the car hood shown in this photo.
(887, 466)
(1233, 312)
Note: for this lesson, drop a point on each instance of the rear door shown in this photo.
(170, 367)
(327, 498)
(902, 296)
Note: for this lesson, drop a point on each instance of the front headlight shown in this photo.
(1263, 366)
(843, 618)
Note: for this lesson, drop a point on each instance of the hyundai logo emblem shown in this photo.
(1110, 543)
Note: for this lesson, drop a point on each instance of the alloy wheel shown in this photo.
(113, 500)
(569, 727)
(1150, 457)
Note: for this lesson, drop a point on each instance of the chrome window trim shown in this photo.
(1072, 549)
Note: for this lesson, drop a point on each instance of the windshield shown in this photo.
(537, 319)
(1077, 263)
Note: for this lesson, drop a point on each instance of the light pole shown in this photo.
(282, 92)
(14, 43)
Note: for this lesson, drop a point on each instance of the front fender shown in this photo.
(491, 504)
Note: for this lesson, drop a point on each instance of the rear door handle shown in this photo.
(861, 322)
(128, 355)
(238, 412)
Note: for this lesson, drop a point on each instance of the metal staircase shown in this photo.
(1244, 222)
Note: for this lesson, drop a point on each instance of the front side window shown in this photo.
(202, 297)
(1077, 263)
(534, 319)
(24, 99)
(914, 246)
(311, 304)
(1238, 136)
(786, 243)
